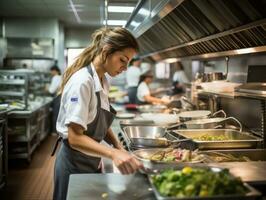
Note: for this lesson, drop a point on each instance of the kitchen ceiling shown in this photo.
(90, 12)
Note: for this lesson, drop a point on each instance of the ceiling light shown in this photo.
(120, 9)
(74, 11)
(171, 60)
(135, 24)
(115, 22)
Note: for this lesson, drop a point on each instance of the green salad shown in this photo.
(191, 182)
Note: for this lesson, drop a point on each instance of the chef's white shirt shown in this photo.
(180, 76)
(132, 76)
(142, 91)
(79, 101)
(55, 84)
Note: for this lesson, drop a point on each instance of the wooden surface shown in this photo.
(32, 181)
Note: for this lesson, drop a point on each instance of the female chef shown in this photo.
(85, 114)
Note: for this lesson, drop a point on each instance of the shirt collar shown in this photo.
(97, 82)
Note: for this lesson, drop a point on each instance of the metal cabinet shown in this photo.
(3, 151)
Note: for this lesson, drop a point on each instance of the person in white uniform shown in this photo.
(144, 94)
(132, 77)
(85, 113)
(55, 81)
(53, 90)
(179, 79)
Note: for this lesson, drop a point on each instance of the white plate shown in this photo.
(161, 118)
(195, 113)
(125, 115)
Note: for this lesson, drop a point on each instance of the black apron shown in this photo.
(70, 161)
(132, 94)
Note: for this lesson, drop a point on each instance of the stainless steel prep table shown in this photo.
(117, 186)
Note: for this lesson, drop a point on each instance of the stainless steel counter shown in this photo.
(117, 186)
(108, 186)
(251, 172)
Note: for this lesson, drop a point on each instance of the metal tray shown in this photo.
(252, 154)
(252, 194)
(237, 140)
(158, 165)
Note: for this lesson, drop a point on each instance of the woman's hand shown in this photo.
(125, 162)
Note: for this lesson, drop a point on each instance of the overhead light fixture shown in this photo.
(74, 11)
(115, 22)
(171, 60)
(120, 9)
(135, 24)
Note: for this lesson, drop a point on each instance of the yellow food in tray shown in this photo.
(211, 138)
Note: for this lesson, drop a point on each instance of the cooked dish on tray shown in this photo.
(197, 182)
(208, 137)
(225, 157)
(175, 155)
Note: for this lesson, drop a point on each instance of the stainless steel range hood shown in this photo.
(199, 28)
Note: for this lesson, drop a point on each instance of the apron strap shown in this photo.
(59, 139)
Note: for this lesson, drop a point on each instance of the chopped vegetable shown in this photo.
(207, 137)
(175, 155)
(203, 182)
(104, 195)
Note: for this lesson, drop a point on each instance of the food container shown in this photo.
(251, 194)
(249, 154)
(236, 139)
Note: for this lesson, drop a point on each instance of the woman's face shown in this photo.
(118, 61)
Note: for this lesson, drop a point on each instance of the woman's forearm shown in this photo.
(151, 99)
(110, 138)
(80, 142)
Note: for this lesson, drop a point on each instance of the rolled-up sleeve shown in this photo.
(77, 105)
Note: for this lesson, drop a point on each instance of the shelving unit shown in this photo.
(14, 86)
(3, 150)
(27, 126)
(28, 129)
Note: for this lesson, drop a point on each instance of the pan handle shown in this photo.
(238, 122)
(218, 126)
(175, 126)
(218, 112)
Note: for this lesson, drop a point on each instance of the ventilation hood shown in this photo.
(198, 28)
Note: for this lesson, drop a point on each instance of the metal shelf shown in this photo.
(10, 93)
(12, 82)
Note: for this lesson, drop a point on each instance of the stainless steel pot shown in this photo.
(209, 123)
(198, 114)
(149, 136)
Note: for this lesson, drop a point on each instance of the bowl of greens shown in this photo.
(200, 183)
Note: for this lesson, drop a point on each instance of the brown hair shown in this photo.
(113, 39)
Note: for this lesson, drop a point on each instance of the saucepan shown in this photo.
(198, 114)
(150, 136)
(208, 123)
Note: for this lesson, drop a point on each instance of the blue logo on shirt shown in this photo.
(74, 99)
